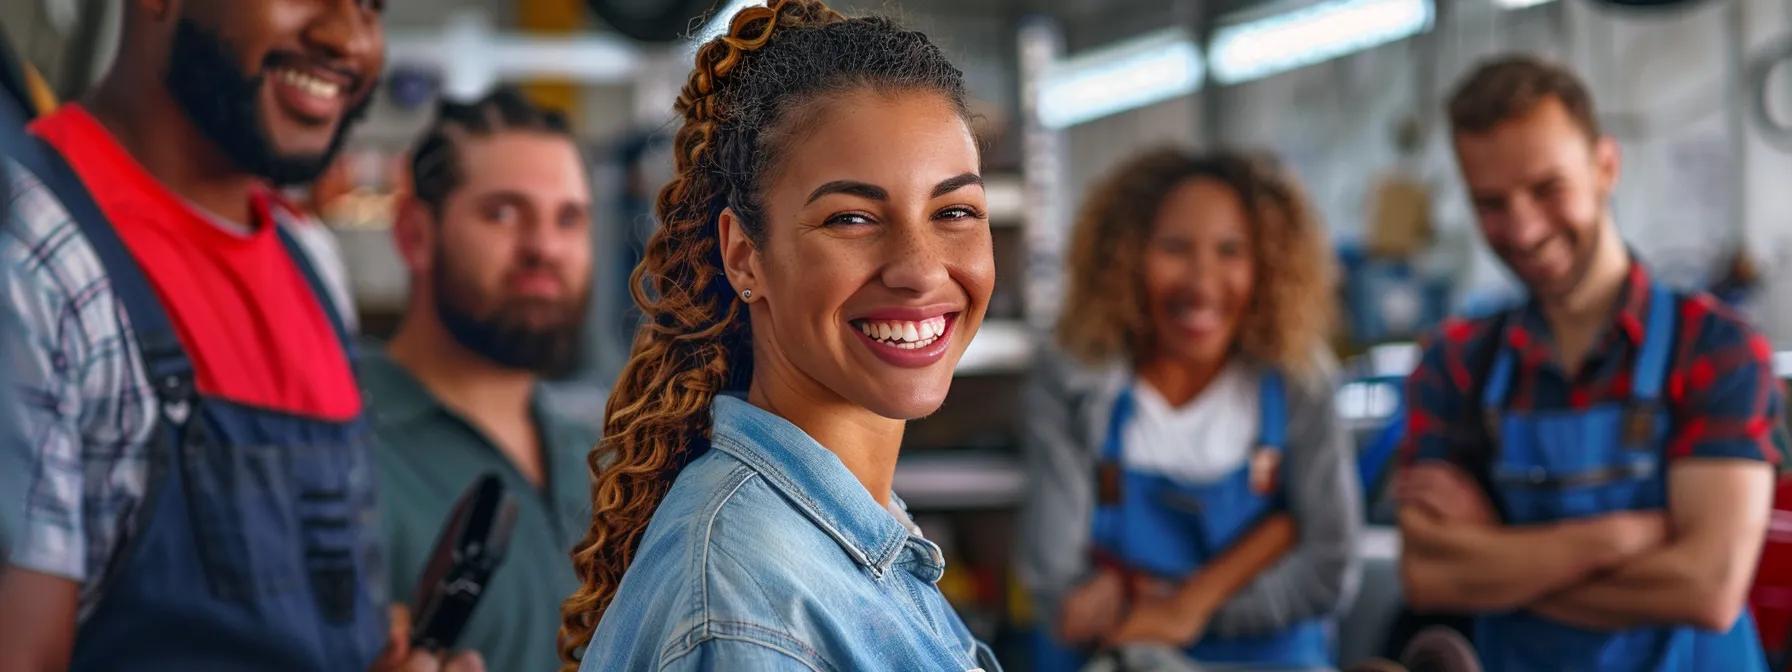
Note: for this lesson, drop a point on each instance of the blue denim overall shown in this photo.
(1169, 529)
(1551, 465)
(256, 547)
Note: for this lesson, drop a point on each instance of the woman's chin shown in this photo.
(912, 404)
(1195, 349)
(899, 393)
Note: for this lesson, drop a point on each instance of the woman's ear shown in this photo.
(740, 257)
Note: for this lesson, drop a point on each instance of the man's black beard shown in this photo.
(225, 103)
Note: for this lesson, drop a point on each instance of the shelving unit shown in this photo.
(1006, 197)
(1001, 347)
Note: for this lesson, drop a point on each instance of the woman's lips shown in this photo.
(907, 343)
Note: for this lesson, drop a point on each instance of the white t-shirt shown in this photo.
(325, 255)
(1209, 437)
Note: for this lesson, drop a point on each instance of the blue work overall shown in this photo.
(1551, 465)
(255, 548)
(1170, 529)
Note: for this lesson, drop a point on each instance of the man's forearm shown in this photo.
(1480, 568)
(1700, 577)
(1607, 605)
(37, 620)
(1669, 586)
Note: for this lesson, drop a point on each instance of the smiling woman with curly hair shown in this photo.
(823, 261)
(1191, 486)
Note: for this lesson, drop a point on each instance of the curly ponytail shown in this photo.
(694, 342)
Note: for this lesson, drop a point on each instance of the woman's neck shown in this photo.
(867, 443)
(1179, 381)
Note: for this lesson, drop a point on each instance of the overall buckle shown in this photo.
(1490, 423)
(1107, 483)
(1266, 466)
(1639, 425)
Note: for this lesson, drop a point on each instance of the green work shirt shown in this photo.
(427, 456)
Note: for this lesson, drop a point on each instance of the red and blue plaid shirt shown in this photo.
(1721, 392)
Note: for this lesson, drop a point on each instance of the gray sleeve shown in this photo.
(1060, 495)
(1320, 575)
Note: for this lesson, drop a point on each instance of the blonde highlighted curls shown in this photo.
(1292, 309)
(694, 341)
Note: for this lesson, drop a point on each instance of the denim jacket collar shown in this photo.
(810, 476)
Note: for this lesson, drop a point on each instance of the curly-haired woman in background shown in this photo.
(823, 245)
(1190, 483)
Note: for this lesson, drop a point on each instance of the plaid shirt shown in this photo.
(1721, 391)
(79, 394)
(73, 480)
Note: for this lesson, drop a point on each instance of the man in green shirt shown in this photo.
(496, 236)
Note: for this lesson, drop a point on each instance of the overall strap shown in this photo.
(1108, 485)
(1494, 393)
(1111, 448)
(1499, 381)
(1658, 340)
(302, 260)
(170, 372)
(164, 359)
(1272, 411)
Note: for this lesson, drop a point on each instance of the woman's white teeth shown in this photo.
(905, 334)
(311, 85)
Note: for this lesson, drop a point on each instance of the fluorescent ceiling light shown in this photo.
(1257, 48)
(1114, 79)
(1518, 4)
